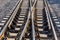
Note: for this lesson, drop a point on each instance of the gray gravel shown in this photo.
(55, 4)
(6, 6)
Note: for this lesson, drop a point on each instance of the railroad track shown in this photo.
(31, 22)
(55, 20)
(14, 31)
(42, 25)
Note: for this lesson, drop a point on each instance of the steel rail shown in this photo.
(15, 9)
(25, 28)
(33, 30)
(33, 10)
(50, 19)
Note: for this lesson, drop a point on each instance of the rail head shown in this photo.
(14, 11)
(33, 10)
